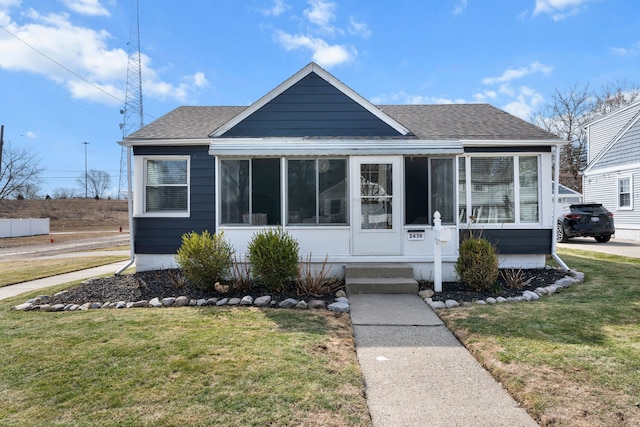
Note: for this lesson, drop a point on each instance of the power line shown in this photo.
(61, 66)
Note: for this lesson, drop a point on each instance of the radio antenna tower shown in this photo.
(132, 113)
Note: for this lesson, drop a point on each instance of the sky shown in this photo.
(63, 63)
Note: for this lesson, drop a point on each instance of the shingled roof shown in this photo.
(426, 122)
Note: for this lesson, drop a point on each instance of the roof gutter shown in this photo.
(132, 255)
(556, 190)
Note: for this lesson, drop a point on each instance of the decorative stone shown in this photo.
(211, 301)
(491, 300)
(141, 303)
(426, 293)
(234, 301)
(540, 291)
(341, 294)
(530, 296)
(246, 300)
(288, 303)
(45, 307)
(437, 305)
(200, 302)
(121, 304)
(85, 306)
(129, 304)
(222, 301)
(428, 300)
(262, 301)
(182, 301)
(95, 305)
(169, 301)
(501, 299)
(317, 304)
(551, 289)
(481, 302)
(193, 302)
(565, 282)
(450, 303)
(155, 302)
(342, 299)
(23, 307)
(339, 307)
(302, 305)
(57, 307)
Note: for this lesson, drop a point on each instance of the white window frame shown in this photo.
(140, 189)
(619, 193)
(516, 191)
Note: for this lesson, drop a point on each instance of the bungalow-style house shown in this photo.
(612, 175)
(350, 180)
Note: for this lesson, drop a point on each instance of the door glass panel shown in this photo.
(376, 196)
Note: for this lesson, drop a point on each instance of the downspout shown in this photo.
(132, 255)
(554, 240)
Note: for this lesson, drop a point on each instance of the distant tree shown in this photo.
(19, 173)
(567, 114)
(97, 182)
(64, 193)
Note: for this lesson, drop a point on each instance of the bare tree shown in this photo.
(97, 182)
(19, 174)
(64, 193)
(568, 113)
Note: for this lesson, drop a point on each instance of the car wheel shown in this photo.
(561, 236)
(603, 239)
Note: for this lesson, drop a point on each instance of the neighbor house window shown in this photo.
(499, 189)
(250, 191)
(624, 193)
(166, 185)
(316, 191)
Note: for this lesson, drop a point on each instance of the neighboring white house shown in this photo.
(567, 196)
(612, 176)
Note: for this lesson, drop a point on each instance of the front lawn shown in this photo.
(574, 358)
(179, 366)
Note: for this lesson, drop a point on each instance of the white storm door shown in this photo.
(376, 211)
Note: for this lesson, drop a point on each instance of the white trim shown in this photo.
(612, 169)
(140, 162)
(164, 142)
(315, 68)
(618, 193)
(511, 143)
(277, 147)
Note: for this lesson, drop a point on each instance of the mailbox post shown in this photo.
(441, 237)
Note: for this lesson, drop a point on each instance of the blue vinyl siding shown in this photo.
(164, 235)
(518, 242)
(312, 107)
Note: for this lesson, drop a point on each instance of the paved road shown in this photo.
(629, 248)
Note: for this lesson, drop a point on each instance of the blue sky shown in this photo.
(510, 53)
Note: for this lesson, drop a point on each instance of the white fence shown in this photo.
(23, 227)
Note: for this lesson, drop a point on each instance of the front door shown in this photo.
(376, 186)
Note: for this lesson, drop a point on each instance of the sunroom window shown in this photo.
(250, 191)
(166, 185)
(316, 191)
(499, 189)
(429, 187)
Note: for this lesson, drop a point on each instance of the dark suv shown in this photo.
(585, 220)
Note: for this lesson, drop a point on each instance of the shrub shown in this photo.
(205, 258)
(515, 279)
(477, 264)
(273, 255)
(316, 281)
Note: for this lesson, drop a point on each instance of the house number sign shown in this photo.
(416, 234)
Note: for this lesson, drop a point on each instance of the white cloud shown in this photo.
(278, 8)
(86, 7)
(30, 134)
(321, 13)
(559, 9)
(460, 7)
(517, 73)
(52, 46)
(324, 54)
(626, 51)
(359, 28)
(402, 98)
(525, 103)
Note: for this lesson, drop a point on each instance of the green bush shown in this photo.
(477, 264)
(205, 258)
(273, 255)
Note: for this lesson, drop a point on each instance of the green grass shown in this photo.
(179, 366)
(12, 272)
(572, 357)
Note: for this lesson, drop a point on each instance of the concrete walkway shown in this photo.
(20, 288)
(417, 373)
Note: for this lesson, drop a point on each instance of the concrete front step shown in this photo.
(380, 278)
(364, 285)
(378, 270)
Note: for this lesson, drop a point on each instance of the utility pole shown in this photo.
(86, 175)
